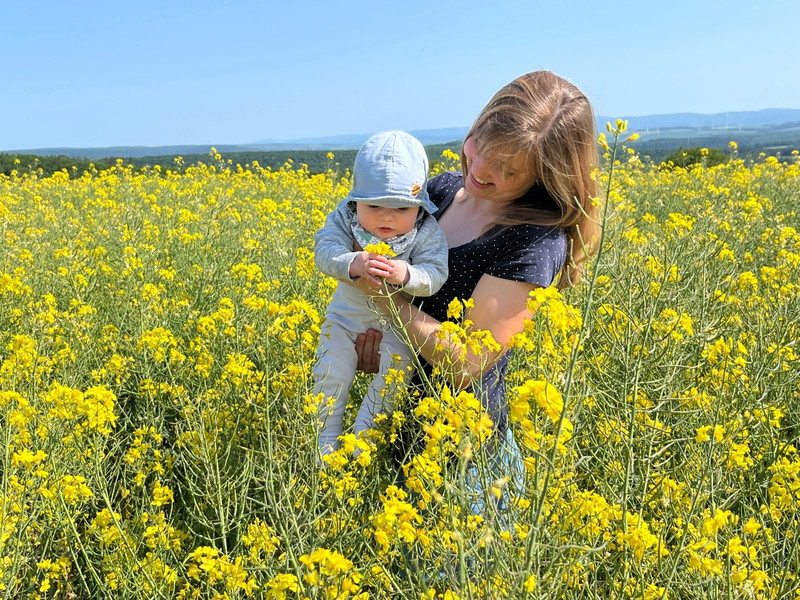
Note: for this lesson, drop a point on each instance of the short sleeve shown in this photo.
(532, 254)
(442, 188)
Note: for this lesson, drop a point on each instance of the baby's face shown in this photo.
(386, 223)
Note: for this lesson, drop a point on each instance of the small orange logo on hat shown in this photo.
(415, 189)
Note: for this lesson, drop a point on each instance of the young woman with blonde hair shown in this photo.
(523, 214)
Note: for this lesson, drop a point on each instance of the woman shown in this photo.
(522, 215)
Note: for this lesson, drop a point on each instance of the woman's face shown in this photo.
(490, 179)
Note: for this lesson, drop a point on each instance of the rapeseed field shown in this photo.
(157, 332)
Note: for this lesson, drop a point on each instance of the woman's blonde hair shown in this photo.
(551, 122)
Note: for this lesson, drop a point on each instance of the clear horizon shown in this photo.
(365, 134)
(150, 74)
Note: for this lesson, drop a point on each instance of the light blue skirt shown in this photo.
(502, 463)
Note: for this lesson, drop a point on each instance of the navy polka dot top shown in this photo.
(530, 253)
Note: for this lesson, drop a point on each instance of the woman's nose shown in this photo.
(478, 168)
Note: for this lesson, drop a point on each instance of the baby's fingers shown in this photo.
(378, 258)
(379, 269)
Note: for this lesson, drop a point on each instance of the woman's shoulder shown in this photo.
(445, 178)
(529, 253)
(444, 186)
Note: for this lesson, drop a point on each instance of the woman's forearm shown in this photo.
(455, 360)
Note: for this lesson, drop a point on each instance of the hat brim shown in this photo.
(396, 201)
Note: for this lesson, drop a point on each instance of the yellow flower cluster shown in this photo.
(381, 249)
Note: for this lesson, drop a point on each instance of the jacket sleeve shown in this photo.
(333, 245)
(428, 261)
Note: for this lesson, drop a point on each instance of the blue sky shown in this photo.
(89, 74)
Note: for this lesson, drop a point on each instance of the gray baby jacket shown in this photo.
(426, 257)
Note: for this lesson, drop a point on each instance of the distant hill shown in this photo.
(728, 120)
(771, 130)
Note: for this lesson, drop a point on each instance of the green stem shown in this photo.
(550, 465)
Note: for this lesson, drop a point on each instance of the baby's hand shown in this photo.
(400, 272)
(371, 266)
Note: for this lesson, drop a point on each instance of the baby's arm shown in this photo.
(333, 245)
(334, 254)
(427, 271)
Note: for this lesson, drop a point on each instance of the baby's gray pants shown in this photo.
(349, 313)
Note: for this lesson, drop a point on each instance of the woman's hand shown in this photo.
(368, 347)
(500, 306)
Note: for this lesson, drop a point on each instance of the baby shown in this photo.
(388, 204)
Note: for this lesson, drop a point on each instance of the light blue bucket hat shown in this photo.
(391, 170)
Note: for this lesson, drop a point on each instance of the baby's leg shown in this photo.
(333, 372)
(379, 397)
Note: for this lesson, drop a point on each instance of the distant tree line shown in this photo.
(687, 157)
(776, 142)
(47, 165)
(318, 161)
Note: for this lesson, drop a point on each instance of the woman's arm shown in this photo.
(500, 306)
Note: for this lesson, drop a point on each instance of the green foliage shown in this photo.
(47, 165)
(316, 160)
(157, 334)
(775, 140)
(687, 157)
